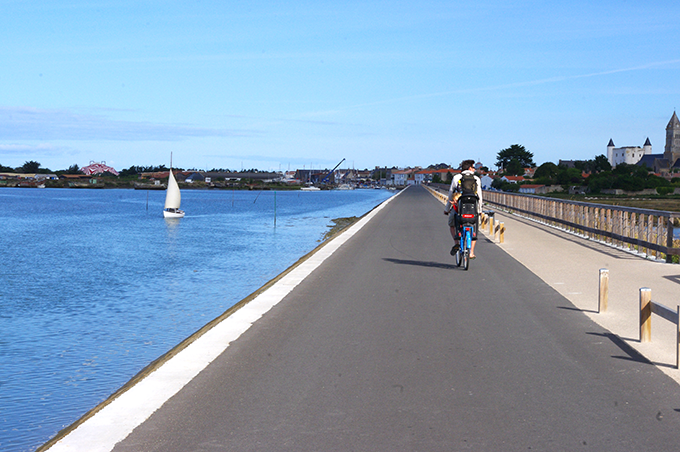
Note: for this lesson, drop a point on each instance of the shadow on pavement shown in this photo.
(568, 308)
(420, 263)
(674, 278)
(633, 355)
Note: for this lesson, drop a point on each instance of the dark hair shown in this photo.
(467, 164)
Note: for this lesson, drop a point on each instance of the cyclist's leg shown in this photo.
(453, 226)
(474, 238)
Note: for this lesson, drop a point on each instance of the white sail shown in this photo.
(172, 195)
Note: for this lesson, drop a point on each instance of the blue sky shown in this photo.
(283, 85)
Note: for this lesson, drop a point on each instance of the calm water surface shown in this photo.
(95, 284)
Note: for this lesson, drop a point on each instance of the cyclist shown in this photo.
(466, 183)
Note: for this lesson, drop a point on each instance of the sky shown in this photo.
(283, 85)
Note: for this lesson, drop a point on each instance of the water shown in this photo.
(94, 285)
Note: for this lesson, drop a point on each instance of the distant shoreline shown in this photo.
(137, 186)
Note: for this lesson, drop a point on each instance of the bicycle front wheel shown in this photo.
(466, 259)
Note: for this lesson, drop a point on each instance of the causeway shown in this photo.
(388, 346)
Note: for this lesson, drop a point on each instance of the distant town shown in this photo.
(623, 170)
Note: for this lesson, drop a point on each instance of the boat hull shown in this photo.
(173, 213)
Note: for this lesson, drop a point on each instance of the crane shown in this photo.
(325, 179)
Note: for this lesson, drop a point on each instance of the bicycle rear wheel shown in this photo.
(466, 243)
(459, 257)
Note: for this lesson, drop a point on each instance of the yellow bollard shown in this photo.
(603, 298)
(645, 314)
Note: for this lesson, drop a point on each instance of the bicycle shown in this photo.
(463, 253)
(467, 221)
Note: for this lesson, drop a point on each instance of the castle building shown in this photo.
(668, 162)
(627, 154)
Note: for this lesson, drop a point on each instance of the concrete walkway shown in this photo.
(386, 345)
(570, 264)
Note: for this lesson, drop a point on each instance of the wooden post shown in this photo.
(626, 228)
(640, 231)
(491, 222)
(677, 341)
(502, 233)
(603, 298)
(654, 237)
(669, 241)
(645, 314)
(650, 224)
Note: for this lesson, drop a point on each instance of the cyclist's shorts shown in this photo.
(452, 218)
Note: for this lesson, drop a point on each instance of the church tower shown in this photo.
(672, 149)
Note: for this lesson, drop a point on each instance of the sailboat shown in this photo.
(172, 198)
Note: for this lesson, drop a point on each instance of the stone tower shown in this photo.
(672, 149)
(610, 152)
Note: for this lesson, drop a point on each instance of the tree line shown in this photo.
(596, 174)
(33, 167)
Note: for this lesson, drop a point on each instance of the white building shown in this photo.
(486, 181)
(627, 154)
(400, 178)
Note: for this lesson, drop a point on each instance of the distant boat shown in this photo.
(172, 198)
(310, 188)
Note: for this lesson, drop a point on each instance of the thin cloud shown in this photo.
(500, 87)
(279, 159)
(20, 149)
(24, 123)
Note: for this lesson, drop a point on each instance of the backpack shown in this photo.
(468, 184)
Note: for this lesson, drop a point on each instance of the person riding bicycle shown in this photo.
(469, 186)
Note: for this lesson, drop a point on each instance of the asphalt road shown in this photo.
(390, 347)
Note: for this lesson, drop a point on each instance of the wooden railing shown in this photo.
(642, 230)
(647, 307)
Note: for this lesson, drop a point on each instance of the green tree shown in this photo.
(516, 151)
(6, 169)
(546, 173)
(514, 168)
(601, 163)
(569, 176)
(73, 169)
(500, 184)
(30, 167)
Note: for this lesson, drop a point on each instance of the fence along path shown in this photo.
(645, 231)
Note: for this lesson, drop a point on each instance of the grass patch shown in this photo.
(340, 224)
(666, 203)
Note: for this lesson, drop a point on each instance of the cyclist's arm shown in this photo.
(452, 190)
(479, 194)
